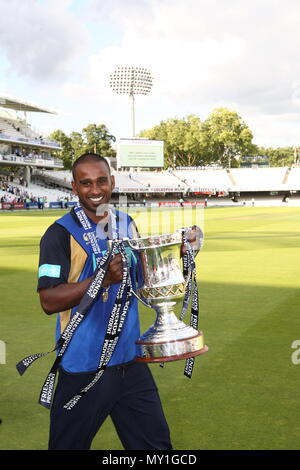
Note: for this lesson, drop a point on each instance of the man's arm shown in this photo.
(62, 297)
(66, 295)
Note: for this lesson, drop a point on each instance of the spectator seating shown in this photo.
(35, 191)
(193, 180)
(217, 180)
(293, 180)
(157, 180)
(259, 179)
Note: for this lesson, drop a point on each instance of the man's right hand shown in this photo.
(114, 273)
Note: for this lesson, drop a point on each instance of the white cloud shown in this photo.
(40, 39)
(275, 130)
(180, 56)
(202, 53)
(210, 48)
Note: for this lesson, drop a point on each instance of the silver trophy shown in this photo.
(164, 285)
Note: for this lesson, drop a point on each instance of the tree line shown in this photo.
(222, 139)
(94, 138)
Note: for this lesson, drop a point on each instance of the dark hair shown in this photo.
(88, 157)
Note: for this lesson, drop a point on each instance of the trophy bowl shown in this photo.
(164, 286)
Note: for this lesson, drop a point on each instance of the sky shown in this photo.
(202, 54)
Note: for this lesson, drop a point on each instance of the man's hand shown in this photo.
(194, 236)
(114, 273)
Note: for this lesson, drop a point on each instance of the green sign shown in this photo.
(141, 153)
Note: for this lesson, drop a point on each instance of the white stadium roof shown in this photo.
(22, 105)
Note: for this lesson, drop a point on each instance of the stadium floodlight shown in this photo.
(131, 81)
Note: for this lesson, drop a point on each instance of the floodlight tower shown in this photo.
(131, 81)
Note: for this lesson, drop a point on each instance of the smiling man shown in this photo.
(70, 251)
(92, 191)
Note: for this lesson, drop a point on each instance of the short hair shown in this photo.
(89, 157)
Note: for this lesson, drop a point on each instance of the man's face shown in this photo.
(93, 184)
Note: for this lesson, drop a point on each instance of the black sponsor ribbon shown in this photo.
(189, 273)
(191, 290)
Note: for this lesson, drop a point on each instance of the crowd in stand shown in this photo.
(20, 153)
(33, 140)
(16, 194)
(23, 155)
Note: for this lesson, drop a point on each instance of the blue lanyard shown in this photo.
(91, 234)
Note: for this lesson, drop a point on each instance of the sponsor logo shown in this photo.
(49, 270)
(94, 242)
(194, 321)
(68, 332)
(95, 286)
(26, 362)
(96, 378)
(83, 220)
(107, 350)
(189, 367)
(195, 303)
(72, 402)
(47, 391)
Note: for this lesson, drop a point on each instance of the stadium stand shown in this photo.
(259, 179)
(123, 179)
(64, 175)
(8, 130)
(26, 150)
(242, 179)
(126, 182)
(293, 179)
(210, 179)
(143, 181)
(14, 188)
(18, 130)
(53, 178)
(20, 145)
(270, 186)
(161, 181)
(218, 180)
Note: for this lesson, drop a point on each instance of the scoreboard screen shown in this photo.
(141, 153)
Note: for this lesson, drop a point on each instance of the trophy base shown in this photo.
(174, 350)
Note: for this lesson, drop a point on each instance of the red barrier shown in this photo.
(194, 203)
(19, 205)
(177, 203)
(16, 205)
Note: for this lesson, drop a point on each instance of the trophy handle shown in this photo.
(133, 245)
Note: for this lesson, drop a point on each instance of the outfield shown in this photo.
(244, 391)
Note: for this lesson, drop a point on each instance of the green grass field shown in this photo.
(244, 393)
